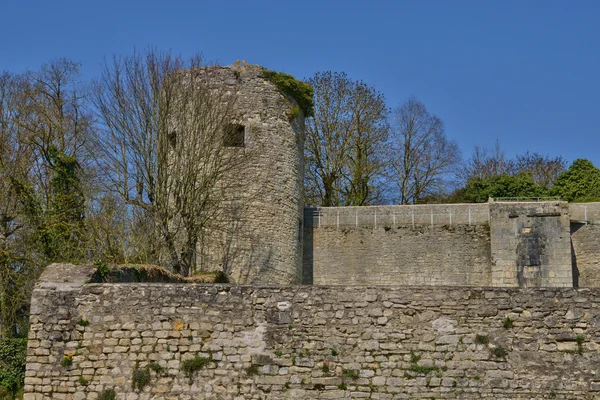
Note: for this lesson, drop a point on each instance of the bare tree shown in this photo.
(164, 146)
(344, 140)
(422, 156)
(543, 169)
(488, 162)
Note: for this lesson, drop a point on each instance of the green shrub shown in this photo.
(499, 352)
(108, 394)
(158, 370)
(481, 339)
(414, 357)
(67, 360)
(82, 381)
(350, 373)
(422, 369)
(252, 370)
(507, 323)
(140, 378)
(12, 365)
(300, 91)
(190, 367)
(83, 322)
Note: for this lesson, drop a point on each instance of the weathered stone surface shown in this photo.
(435, 343)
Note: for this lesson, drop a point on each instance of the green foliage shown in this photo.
(293, 113)
(579, 183)
(351, 373)
(67, 360)
(334, 352)
(422, 369)
(83, 322)
(82, 381)
(140, 378)
(499, 352)
(507, 323)
(414, 357)
(343, 386)
(57, 222)
(252, 370)
(481, 339)
(325, 368)
(158, 370)
(580, 339)
(108, 394)
(300, 91)
(191, 366)
(478, 190)
(12, 365)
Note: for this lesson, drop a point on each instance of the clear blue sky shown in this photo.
(523, 72)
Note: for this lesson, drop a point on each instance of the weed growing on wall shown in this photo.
(300, 91)
(140, 378)
(191, 366)
(108, 394)
(481, 339)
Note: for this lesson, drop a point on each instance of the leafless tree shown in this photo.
(543, 169)
(344, 141)
(488, 162)
(164, 146)
(422, 156)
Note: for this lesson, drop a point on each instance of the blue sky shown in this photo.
(523, 72)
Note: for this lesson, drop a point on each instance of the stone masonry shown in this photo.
(309, 342)
(529, 244)
(261, 241)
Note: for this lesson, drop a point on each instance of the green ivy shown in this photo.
(12, 366)
(300, 91)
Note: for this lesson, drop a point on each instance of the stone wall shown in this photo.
(457, 255)
(261, 240)
(493, 244)
(308, 342)
(531, 244)
(585, 242)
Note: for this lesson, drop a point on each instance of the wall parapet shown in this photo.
(584, 212)
(398, 215)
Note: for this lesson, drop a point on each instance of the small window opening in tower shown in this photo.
(172, 137)
(235, 135)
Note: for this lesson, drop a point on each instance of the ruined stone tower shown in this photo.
(260, 241)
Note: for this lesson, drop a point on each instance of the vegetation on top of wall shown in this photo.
(12, 367)
(149, 273)
(300, 91)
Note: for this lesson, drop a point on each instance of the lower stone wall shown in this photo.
(312, 342)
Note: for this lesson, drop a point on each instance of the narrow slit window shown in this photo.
(235, 135)
(172, 137)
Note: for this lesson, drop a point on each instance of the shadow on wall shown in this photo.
(575, 226)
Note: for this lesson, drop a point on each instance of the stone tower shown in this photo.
(261, 239)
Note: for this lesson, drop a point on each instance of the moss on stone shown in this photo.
(300, 91)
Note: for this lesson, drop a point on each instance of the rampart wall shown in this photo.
(491, 244)
(312, 342)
